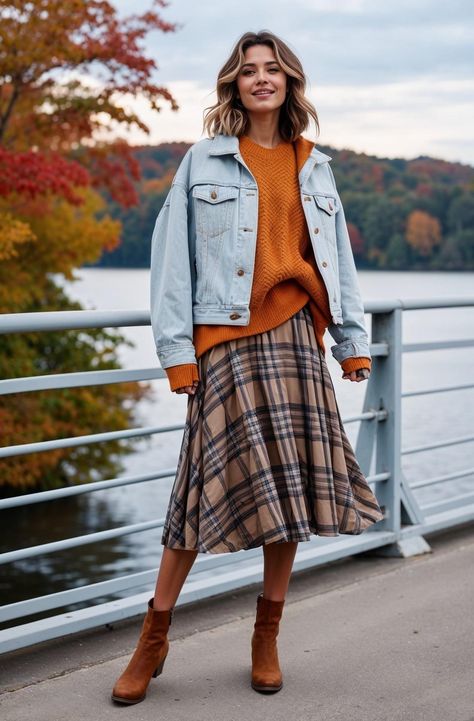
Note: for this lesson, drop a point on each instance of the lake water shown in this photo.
(424, 419)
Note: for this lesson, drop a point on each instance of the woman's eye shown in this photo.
(272, 70)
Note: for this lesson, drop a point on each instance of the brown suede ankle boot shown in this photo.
(266, 673)
(148, 658)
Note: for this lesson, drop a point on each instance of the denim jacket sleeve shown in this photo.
(170, 279)
(351, 337)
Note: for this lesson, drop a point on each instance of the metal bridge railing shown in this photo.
(378, 450)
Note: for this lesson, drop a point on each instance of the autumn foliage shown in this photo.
(65, 69)
(379, 206)
(423, 232)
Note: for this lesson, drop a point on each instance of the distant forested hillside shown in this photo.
(401, 214)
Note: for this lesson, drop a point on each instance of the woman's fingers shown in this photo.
(353, 376)
(190, 390)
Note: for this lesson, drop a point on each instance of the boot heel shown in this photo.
(159, 669)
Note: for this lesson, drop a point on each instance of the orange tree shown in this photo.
(65, 69)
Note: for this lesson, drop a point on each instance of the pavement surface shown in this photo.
(364, 638)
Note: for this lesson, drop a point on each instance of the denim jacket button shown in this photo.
(324, 264)
(234, 316)
(240, 271)
(316, 230)
(214, 194)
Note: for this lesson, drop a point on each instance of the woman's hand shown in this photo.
(359, 375)
(190, 390)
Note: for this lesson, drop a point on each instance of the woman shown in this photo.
(251, 263)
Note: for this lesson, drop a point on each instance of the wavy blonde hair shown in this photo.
(229, 116)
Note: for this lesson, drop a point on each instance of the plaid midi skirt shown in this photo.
(264, 456)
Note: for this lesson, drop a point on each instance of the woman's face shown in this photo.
(261, 82)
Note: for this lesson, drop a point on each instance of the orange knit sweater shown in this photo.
(286, 275)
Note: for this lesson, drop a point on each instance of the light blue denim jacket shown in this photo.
(204, 242)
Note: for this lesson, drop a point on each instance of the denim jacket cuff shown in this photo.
(176, 354)
(351, 348)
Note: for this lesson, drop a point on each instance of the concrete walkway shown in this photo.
(362, 639)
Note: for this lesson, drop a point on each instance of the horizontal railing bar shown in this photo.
(442, 389)
(428, 303)
(72, 320)
(438, 444)
(437, 345)
(57, 493)
(365, 416)
(435, 522)
(446, 504)
(442, 479)
(30, 606)
(81, 379)
(29, 384)
(26, 448)
(43, 446)
(378, 477)
(84, 540)
(42, 496)
(82, 319)
(20, 609)
(84, 379)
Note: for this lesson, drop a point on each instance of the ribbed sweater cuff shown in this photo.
(182, 375)
(352, 364)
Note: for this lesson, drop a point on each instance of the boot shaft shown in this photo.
(156, 623)
(268, 614)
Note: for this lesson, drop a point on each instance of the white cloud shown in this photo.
(403, 119)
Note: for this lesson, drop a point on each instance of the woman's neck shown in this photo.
(264, 133)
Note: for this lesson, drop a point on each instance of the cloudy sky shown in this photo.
(389, 78)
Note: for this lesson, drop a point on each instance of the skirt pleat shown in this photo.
(264, 456)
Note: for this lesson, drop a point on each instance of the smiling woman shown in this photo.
(262, 75)
(251, 263)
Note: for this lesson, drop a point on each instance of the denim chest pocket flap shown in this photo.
(215, 193)
(326, 203)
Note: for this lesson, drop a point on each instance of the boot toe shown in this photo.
(127, 695)
(263, 685)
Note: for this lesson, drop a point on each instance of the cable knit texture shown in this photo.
(286, 275)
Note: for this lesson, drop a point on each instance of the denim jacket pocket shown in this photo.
(214, 206)
(326, 206)
(327, 209)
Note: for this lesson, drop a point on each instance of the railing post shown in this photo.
(387, 327)
(386, 395)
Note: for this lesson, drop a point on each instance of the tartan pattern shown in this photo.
(264, 456)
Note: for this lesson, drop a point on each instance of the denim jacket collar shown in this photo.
(222, 144)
